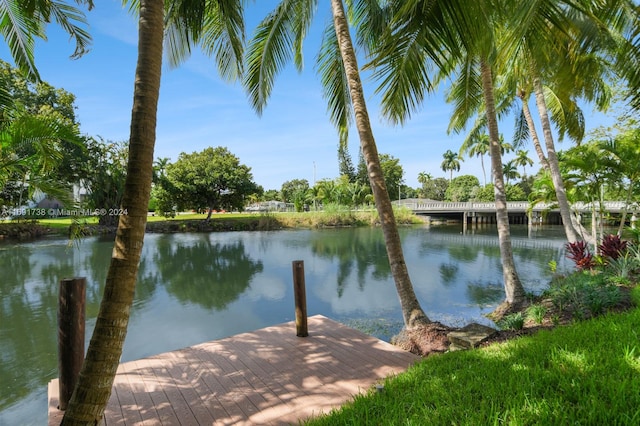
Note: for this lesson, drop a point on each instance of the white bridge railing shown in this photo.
(512, 206)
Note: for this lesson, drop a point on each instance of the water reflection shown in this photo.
(483, 293)
(363, 250)
(199, 271)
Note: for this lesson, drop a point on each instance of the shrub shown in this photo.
(536, 313)
(579, 252)
(513, 321)
(612, 247)
(584, 294)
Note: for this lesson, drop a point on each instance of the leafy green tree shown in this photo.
(462, 188)
(450, 163)
(486, 193)
(36, 98)
(217, 26)
(160, 168)
(271, 195)
(290, 188)
(212, 179)
(435, 189)
(393, 173)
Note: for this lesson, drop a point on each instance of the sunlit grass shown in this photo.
(586, 373)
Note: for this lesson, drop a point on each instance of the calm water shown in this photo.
(198, 287)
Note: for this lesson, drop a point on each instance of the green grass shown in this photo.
(331, 216)
(584, 374)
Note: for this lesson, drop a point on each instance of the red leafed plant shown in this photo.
(612, 246)
(579, 252)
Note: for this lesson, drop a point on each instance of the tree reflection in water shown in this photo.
(210, 274)
(363, 250)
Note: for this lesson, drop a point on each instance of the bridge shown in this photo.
(484, 212)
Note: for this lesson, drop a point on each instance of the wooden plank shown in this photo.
(266, 376)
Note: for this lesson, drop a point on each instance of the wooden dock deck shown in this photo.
(264, 377)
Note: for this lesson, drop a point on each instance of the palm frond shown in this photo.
(272, 45)
(223, 37)
(521, 131)
(335, 87)
(72, 21)
(19, 31)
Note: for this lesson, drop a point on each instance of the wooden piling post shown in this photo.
(300, 297)
(71, 322)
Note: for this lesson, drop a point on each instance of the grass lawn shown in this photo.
(65, 222)
(587, 373)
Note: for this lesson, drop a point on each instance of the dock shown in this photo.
(263, 377)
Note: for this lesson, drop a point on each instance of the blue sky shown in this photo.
(292, 140)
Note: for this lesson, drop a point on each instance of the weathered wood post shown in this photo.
(300, 297)
(71, 320)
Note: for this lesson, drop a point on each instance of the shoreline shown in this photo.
(29, 230)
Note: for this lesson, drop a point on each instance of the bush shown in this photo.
(579, 253)
(536, 313)
(513, 321)
(584, 294)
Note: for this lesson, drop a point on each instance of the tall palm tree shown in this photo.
(430, 41)
(187, 23)
(510, 171)
(477, 146)
(276, 40)
(579, 70)
(522, 159)
(424, 177)
(450, 163)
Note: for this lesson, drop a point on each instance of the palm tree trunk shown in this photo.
(484, 174)
(411, 310)
(515, 295)
(532, 130)
(92, 392)
(569, 222)
(623, 218)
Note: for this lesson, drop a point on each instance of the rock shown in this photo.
(469, 336)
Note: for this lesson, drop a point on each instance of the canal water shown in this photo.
(198, 287)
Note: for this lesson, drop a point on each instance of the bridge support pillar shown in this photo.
(464, 222)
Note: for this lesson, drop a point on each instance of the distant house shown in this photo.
(270, 206)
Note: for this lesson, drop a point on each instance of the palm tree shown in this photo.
(276, 40)
(32, 145)
(579, 70)
(510, 171)
(447, 38)
(160, 168)
(450, 163)
(522, 159)
(477, 146)
(188, 23)
(424, 177)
